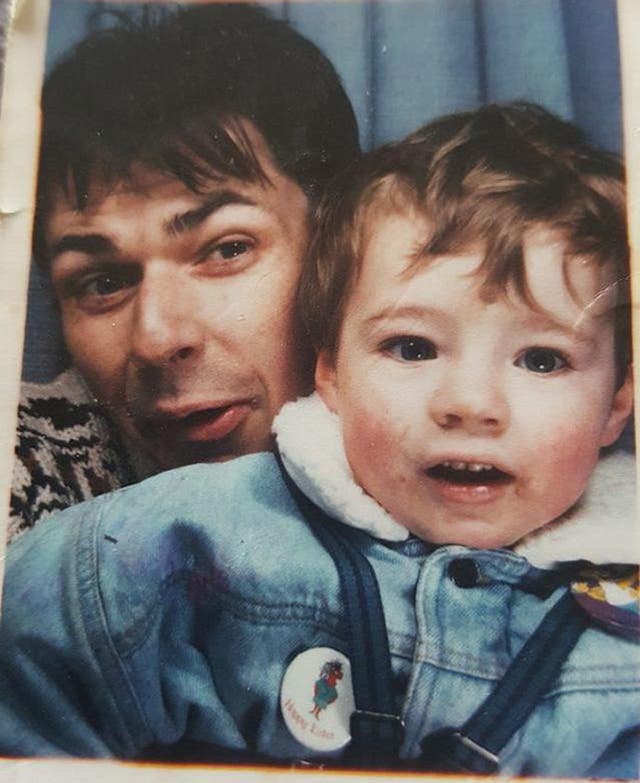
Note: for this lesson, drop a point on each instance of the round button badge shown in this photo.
(316, 698)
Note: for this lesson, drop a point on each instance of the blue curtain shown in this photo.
(404, 62)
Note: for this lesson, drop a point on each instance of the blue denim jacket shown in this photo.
(171, 610)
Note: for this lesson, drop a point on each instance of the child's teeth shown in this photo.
(474, 467)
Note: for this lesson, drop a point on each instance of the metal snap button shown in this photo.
(464, 572)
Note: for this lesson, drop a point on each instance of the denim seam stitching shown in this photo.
(127, 643)
(88, 541)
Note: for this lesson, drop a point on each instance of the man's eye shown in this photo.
(541, 360)
(97, 291)
(104, 285)
(227, 251)
(233, 249)
(411, 349)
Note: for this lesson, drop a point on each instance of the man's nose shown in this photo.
(472, 400)
(166, 326)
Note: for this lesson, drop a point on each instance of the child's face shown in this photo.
(472, 422)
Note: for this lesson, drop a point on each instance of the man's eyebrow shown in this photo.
(91, 244)
(187, 221)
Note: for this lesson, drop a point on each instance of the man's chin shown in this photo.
(156, 444)
(222, 450)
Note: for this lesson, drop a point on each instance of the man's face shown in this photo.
(471, 422)
(178, 308)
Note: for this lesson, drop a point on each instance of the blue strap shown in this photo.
(476, 747)
(376, 728)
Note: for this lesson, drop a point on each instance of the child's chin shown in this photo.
(476, 534)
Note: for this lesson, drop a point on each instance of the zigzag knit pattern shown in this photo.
(66, 451)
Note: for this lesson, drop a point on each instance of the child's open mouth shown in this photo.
(469, 473)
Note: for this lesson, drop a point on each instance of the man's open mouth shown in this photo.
(206, 424)
(479, 473)
(202, 417)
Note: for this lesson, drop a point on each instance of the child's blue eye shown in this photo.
(411, 349)
(541, 360)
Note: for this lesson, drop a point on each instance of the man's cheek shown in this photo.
(99, 364)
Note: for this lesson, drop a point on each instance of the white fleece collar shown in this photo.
(600, 528)
(310, 444)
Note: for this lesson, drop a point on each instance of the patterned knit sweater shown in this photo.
(66, 450)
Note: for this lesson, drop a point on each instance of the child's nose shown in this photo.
(471, 402)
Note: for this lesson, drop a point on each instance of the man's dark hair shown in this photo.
(168, 90)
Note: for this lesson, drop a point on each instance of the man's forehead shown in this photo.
(150, 206)
(145, 181)
(141, 183)
(153, 201)
(148, 202)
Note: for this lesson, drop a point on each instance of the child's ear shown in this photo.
(326, 382)
(621, 408)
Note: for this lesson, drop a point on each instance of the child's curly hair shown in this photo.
(484, 178)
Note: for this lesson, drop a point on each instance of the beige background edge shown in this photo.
(77, 771)
(629, 26)
(19, 134)
(19, 128)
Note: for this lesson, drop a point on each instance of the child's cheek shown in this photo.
(374, 441)
(566, 456)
